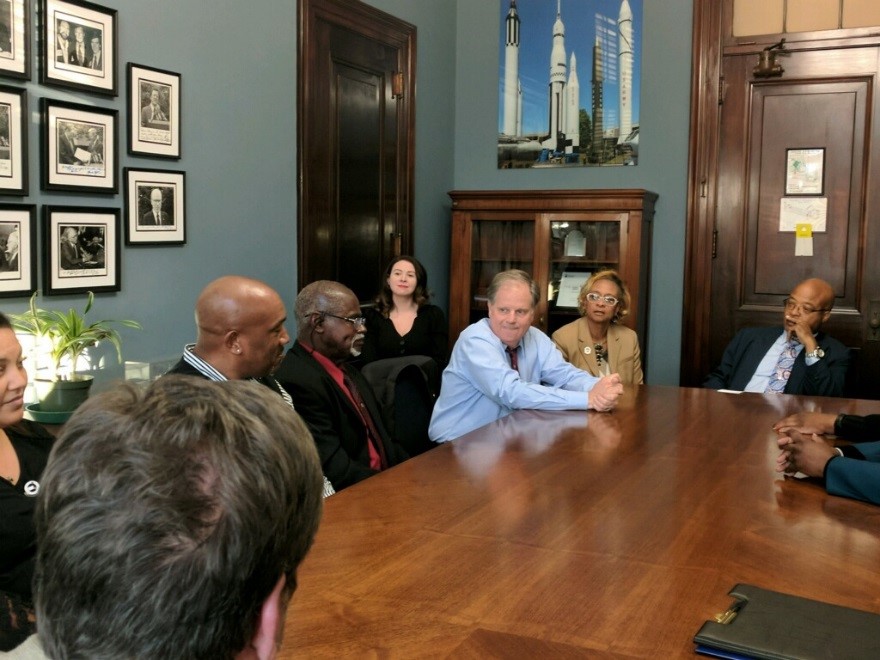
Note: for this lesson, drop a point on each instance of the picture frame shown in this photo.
(13, 141)
(805, 171)
(80, 149)
(79, 46)
(155, 207)
(81, 250)
(18, 250)
(153, 112)
(15, 39)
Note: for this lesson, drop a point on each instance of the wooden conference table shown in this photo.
(573, 534)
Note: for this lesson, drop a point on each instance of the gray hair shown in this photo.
(514, 275)
(167, 515)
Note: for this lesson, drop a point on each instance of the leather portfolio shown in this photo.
(768, 624)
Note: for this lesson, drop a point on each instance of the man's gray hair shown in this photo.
(514, 275)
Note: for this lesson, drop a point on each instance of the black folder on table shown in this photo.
(769, 624)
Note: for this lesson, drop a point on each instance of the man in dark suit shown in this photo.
(78, 54)
(799, 360)
(153, 112)
(96, 60)
(157, 216)
(850, 470)
(333, 398)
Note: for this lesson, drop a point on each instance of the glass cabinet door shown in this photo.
(578, 249)
(497, 245)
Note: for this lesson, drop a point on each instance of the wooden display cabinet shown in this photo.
(548, 233)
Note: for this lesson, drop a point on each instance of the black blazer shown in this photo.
(746, 350)
(332, 418)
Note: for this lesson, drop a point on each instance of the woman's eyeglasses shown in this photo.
(595, 297)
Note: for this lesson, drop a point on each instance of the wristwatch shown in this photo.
(816, 353)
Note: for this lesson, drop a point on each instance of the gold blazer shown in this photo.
(624, 356)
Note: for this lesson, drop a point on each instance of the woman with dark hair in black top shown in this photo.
(403, 323)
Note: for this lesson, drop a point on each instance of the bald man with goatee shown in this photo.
(240, 335)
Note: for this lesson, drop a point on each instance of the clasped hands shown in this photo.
(803, 447)
(604, 395)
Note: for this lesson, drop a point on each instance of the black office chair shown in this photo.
(406, 388)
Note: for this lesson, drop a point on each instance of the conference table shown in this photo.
(581, 534)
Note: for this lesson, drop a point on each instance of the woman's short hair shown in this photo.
(623, 298)
(384, 300)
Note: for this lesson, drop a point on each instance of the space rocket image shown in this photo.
(557, 126)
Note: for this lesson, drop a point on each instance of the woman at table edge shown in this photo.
(596, 342)
(24, 450)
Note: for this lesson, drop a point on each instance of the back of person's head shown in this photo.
(168, 516)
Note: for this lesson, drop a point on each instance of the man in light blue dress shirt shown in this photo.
(502, 364)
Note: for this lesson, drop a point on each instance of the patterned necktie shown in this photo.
(783, 368)
(514, 363)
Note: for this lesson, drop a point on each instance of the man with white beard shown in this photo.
(332, 397)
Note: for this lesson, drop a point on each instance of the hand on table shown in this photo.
(807, 422)
(603, 397)
(803, 453)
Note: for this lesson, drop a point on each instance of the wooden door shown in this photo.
(825, 99)
(355, 155)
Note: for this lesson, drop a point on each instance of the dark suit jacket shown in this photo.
(332, 418)
(746, 350)
(149, 218)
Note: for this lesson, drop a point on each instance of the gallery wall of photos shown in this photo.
(81, 246)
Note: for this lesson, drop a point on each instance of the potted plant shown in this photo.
(66, 335)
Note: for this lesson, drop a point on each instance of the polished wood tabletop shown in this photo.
(574, 534)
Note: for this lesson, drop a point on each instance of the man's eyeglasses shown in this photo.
(595, 297)
(354, 320)
(791, 305)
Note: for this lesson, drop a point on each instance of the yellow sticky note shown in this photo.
(803, 230)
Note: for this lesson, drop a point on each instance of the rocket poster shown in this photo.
(570, 72)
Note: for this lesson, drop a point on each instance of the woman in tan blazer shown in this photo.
(595, 342)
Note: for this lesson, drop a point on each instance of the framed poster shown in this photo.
(153, 112)
(78, 41)
(81, 249)
(13, 141)
(18, 250)
(15, 39)
(80, 150)
(155, 208)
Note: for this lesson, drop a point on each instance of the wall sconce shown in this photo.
(767, 66)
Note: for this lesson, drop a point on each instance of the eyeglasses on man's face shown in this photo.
(791, 305)
(595, 297)
(356, 321)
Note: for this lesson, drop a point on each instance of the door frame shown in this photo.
(712, 39)
(377, 25)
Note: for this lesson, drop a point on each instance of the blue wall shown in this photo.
(238, 66)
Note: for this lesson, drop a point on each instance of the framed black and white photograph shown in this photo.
(15, 39)
(153, 112)
(13, 141)
(80, 150)
(155, 207)
(81, 249)
(18, 250)
(79, 46)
